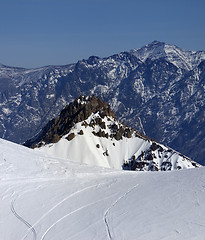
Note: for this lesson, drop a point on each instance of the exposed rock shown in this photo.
(150, 157)
(106, 153)
(85, 124)
(128, 132)
(118, 136)
(102, 125)
(70, 136)
(81, 132)
(98, 120)
(56, 138)
(77, 111)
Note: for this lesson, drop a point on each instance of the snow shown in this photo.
(87, 148)
(49, 96)
(83, 148)
(7, 111)
(44, 198)
(182, 59)
(83, 100)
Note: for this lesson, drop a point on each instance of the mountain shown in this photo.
(87, 131)
(180, 58)
(158, 89)
(44, 197)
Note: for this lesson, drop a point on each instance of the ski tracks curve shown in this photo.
(23, 220)
(58, 204)
(109, 235)
(72, 212)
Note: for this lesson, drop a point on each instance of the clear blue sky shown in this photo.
(35, 33)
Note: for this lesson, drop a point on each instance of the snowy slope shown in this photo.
(44, 198)
(112, 153)
(180, 58)
(87, 131)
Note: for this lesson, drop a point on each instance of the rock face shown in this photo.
(87, 131)
(75, 112)
(78, 111)
(158, 89)
(148, 160)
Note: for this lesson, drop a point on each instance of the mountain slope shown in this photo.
(87, 131)
(180, 58)
(158, 89)
(48, 198)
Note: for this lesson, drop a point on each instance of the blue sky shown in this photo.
(35, 33)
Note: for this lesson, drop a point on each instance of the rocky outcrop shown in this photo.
(158, 158)
(75, 112)
(79, 111)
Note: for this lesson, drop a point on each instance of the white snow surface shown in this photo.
(83, 148)
(48, 198)
(110, 153)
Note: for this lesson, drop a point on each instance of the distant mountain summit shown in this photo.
(158, 89)
(180, 58)
(87, 131)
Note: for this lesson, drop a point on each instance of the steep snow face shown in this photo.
(21, 163)
(43, 197)
(109, 145)
(153, 51)
(180, 58)
(87, 131)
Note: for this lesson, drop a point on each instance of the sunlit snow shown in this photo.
(47, 198)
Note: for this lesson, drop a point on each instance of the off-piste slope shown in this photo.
(47, 198)
(87, 131)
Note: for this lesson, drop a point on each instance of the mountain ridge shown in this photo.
(89, 125)
(161, 99)
(174, 54)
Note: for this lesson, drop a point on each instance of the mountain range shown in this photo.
(157, 89)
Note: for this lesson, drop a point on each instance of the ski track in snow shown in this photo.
(60, 203)
(108, 229)
(72, 212)
(23, 220)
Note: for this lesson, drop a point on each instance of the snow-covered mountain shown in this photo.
(180, 58)
(158, 89)
(87, 131)
(43, 197)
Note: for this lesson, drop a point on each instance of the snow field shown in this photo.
(40, 201)
(108, 152)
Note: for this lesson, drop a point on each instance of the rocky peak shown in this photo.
(89, 124)
(183, 59)
(75, 112)
(153, 50)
